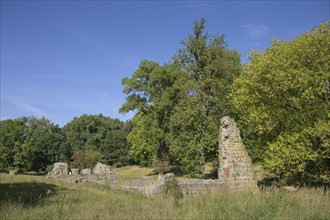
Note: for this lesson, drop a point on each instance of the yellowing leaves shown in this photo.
(281, 93)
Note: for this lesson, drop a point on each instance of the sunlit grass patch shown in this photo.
(128, 173)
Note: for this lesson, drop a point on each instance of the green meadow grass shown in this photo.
(35, 197)
(129, 173)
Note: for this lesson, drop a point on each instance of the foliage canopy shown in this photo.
(282, 99)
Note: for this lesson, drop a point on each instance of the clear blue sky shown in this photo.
(61, 59)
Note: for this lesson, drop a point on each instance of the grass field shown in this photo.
(128, 173)
(35, 197)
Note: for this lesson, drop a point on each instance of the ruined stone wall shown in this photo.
(235, 169)
(196, 186)
(188, 187)
(102, 173)
(142, 184)
(60, 170)
(101, 168)
(235, 166)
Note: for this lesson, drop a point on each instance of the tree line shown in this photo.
(32, 144)
(279, 98)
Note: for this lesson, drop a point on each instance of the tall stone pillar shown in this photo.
(235, 166)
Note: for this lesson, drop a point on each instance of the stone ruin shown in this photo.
(235, 167)
(101, 173)
(60, 170)
(104, 171)
(74, 171)
(188, 187)
(101, 168)
(86, 171)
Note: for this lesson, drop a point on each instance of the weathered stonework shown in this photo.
(235, 169)
(188, 187)
(101, 173)
(86, 171)
(147, 186)
(143, 184)
(235, 166)
(60, 170)
(196, 186)
(74, 171)
(101, 168)
(104, 171)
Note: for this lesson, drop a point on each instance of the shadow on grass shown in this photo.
(213, 174)
(27, 194)
(35, 173)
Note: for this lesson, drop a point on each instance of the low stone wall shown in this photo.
(142, 184)
(86, 171)
(197, 186)
(188, 187)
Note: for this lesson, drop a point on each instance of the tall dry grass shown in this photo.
(30, 197)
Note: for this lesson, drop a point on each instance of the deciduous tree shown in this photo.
(152, 93)
(210, 68)
(282, 96)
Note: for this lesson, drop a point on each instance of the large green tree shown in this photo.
(283, 99)
(152, 93)
(210, 68)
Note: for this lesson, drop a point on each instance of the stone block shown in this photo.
(101, 168)
(60, 169)
(86, 171)
(74, 171)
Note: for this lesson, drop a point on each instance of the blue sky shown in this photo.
(62, 59)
